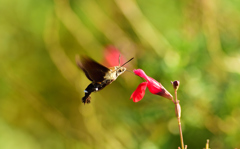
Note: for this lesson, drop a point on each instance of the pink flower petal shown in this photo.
(138, 94)
(154, 86)
(141, 73)
(157, 88)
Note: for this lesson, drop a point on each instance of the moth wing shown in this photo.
(79, 64)
(94, 71)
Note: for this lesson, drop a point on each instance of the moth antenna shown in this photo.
(119, 60)
(127, 61)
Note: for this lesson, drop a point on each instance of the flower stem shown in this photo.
(178, 114)
(180, 131)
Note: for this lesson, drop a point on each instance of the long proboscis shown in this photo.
(130, 71)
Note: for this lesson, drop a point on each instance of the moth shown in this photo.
(99, 75)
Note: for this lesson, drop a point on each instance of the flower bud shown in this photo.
(176, 84)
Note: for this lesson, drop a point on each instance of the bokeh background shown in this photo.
(194, 41)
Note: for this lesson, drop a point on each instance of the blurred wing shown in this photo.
(93, 70)
(79, 64)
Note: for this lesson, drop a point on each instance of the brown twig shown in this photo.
(178, 112)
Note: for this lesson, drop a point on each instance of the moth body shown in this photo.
(100, 75)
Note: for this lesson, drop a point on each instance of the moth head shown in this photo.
(120, 70)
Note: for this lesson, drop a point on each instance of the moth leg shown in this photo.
(86, 98)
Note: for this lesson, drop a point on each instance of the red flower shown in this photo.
(153, 86)
(138, 94)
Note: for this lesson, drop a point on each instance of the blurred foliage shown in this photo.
(196, 42)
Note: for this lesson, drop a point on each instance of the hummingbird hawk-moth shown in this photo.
(100, 75)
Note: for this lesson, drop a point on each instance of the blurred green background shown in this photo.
(196, 42)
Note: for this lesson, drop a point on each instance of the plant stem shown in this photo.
(178, 113)
(180, 131)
